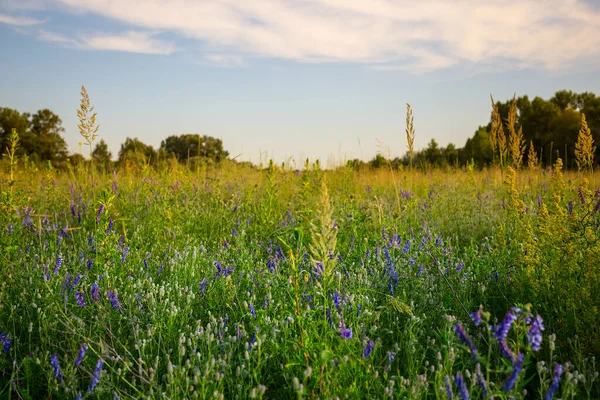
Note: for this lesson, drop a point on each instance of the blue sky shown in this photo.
(324, 79)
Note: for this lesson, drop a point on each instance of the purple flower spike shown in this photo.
(81, 354)
(368, 349)
(535, 333)
(555, 382)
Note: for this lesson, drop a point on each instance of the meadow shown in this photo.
(239, 282)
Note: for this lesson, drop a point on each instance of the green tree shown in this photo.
(190, 146)
(136, 152)
(102, 156)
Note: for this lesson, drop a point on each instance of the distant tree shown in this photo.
(101, 155)
(432, 153)
(40, 134)
(137, 152)
(378, 161)
(188, 146)
(477, 148)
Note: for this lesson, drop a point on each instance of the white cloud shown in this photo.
(133, 42)
(19, 21)
(389, 34)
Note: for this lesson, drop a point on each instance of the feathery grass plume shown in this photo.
(13, 140)
(410, 132)
(584, 148)
(532, 157)
(324, 233)
(498, 134)
(515, 138)
(87, 120)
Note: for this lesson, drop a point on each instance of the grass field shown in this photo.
(235, 282)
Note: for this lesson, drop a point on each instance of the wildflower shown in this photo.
(439, 242)
(110, 227)
(460, 266)
(476, 317)
(514, 375)
(252, 310)
(391, 289)
(391, 356)
(81, 354)
(5, 342)
(448, 387)
(80, 299)
(66, 284)
(535, 333)
(114, 300)
(96, 376)
(203, 283)
(501, 330)
(463, 392)
(368, 349)
(59, 261)
(481, 380)
(406, 248)
(423, 242)
(56, 366)
(345, 333)
(462, 334)
(555, 382)
(75, 281)
(95, 292)
(358, 309)
(219, 269)
(125, 254)
(271, 265)
(420, 271)
(89, 264)
(329, 319)
(79, 396)
(99, 213)
(581, 196)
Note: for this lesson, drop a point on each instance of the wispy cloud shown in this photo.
(133, 42)
(387, 34)
(19, 21)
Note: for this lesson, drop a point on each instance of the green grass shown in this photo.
(266, 322)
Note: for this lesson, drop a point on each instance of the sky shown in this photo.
(292, 79)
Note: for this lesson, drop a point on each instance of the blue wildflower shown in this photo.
(89, 264)
(95, 292)
(463, 392)
(449, 394)
(75, 281)
(391, 289)
(5, 342)
(502, 329)
(79, 396)
(329, 319)
(514, 375)
(125, 254)
(391, 356)
(406, 248)
(81, 354)
(420, 271)
(358, 309)
(55, 364)
(336, 301)
(99, 213)
(59, 261)
(110, 227)
(113, 299)
(555, 382)
(462, 334)
(535, 333)
(476, 317)
(481, 380)
(80, 299)
(345, 333)
(203, 283)
(368, 349)
(460, 266)
(96, 376)
(252, 310)
(271, 265)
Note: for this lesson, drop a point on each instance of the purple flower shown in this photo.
(581, 196)
(113, 299)
(345, 333)
(329, 319)
(460, 266)
(535, 333)
(555, 382)
(59, 261)
(252, 310)
(514, 375)
(358, 309)
(481, 380)
(391, 356)
(5, 343)
(79, 396)
(502, 329)
(448, 387)
(505, 350)
(462, 334)
(368, 349)
(81, 354)
(110, 227)
(75, 281)
(203, 283)
(463, 392)
(80, 299)
(420, 271)
(95, 293)
(336, 301)
(271, 265)
(406, 248)
(99, 213)
(89, 264)
(125, 254)
(54, 361)
(219, 269)
(476, 317)
(96, 376)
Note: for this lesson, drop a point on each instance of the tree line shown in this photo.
(549, 128)
(41, 142)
